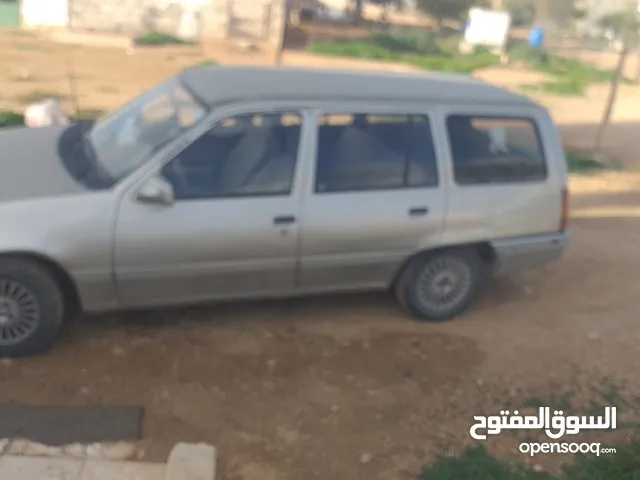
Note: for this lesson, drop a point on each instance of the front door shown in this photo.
(377, 198)
(232, 230)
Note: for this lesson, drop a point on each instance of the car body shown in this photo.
(244, 182)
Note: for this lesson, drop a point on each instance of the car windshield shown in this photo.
(123, 140)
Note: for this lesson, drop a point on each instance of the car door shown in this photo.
(231, 229)
(376, 198)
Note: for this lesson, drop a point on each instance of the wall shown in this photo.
(135, 16)
(52, 13)
(260, 22)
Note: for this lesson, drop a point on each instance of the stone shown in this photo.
(335, 408)
(192, 462)
(6, 362)
(593, 336)
(272, 364)
(118, 351)
(75, 450)
(107, 470)
(17, 446)
(537, 468)
(39, 450)
(366, 458)
(118, 450)
(21, 468)
(4, 444)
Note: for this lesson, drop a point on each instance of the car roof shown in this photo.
(214, 85)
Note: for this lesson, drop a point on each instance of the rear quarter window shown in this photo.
(495, 150)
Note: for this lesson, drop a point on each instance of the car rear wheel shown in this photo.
(31, 307)
(441, 285)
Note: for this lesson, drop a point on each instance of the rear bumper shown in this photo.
(523, 253)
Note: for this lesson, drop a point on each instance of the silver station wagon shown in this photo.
(231, 183)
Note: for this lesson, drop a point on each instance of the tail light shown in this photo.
(564, 216)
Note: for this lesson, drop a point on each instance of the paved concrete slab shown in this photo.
(192, 462)
(106, 470)
(186, 462)
(41, 468)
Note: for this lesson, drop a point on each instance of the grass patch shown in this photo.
(10, 119)
(572, 76)
(581, 161)
(159, 38)
(207, 63)
(39, 95)
(419, 49)
(15, 119)
(565, 87)
(476, 464)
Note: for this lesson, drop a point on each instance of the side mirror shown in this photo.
(156, 190)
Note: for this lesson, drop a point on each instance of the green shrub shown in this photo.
(476, 464)
(159, 38)
(422, 42)
(10, 119)
(357, 49)
(573, 75)
(455, 63)
(622, 465)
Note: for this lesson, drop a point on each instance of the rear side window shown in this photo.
(495, 150)
(360, 152)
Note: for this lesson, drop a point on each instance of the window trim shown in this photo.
(405, 175)
(211, 125)
(488, 116)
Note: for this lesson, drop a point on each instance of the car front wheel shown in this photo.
(31, 307)
(441, 285)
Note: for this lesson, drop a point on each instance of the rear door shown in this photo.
(505, 180)
(374, 198)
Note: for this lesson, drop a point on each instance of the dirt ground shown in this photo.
(303, 389)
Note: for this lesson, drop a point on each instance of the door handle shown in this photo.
(418, 211)
(284, 220)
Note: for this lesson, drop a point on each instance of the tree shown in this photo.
(625, 26)
(442, 10)
(386, 5)
(522, 11)
(357, 7)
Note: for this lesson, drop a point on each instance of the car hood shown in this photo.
(31, 166)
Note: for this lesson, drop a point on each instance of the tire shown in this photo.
(460, 272)
(31, 308)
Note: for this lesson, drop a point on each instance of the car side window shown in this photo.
(495, 150)
(244, 155)
(360, 152)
